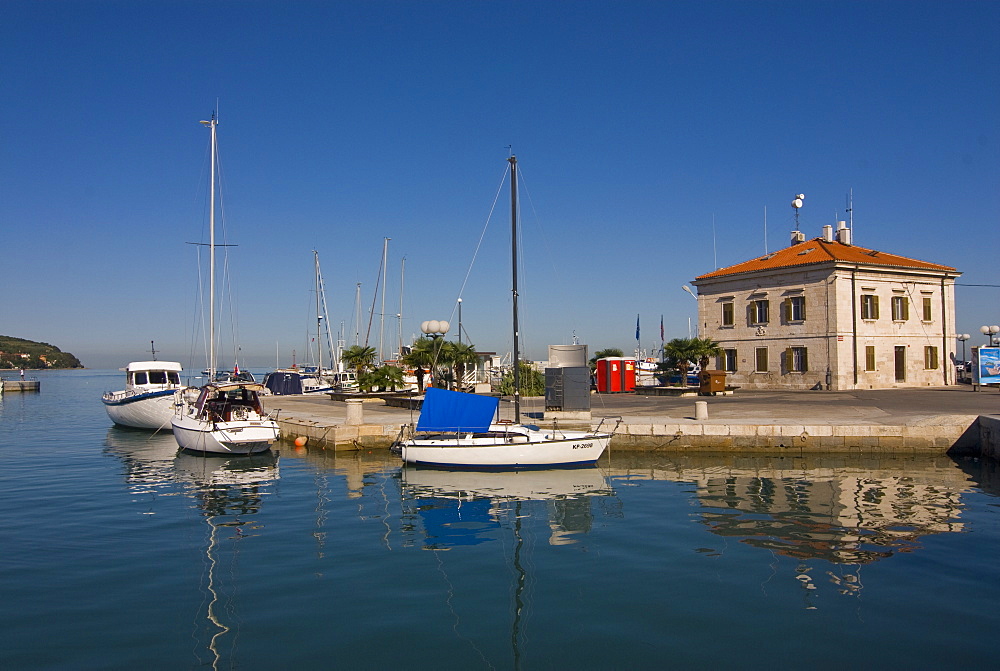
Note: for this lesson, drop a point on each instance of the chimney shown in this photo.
(828, 233)
(843, 233)
(797, 237)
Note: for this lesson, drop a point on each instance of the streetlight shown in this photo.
(990, 332)
(459, 321)
(962, 338)
(435, 329)
(688, 289)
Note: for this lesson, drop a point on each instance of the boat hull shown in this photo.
(242, 437)
(152, 410)
(573, 449)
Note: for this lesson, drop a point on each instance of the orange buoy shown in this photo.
(301, 441)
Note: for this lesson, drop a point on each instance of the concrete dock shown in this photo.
(20, 385)
(929, 420)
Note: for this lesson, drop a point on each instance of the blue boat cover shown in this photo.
(456, 411)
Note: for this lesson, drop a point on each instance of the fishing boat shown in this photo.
(221, 417)
(147, 401)
(457, 430)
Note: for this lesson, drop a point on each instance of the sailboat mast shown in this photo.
(211, 256)
(513, 255)
(319, 319)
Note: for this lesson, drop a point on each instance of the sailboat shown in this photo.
(221, 417)
(309, 378)
(456, 429)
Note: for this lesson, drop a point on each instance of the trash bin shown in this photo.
(712, 382)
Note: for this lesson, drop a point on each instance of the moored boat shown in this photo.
(221, 417)
(455, 429)
(147, 401)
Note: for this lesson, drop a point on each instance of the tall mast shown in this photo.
(399, 335)
(513, 256)
(381, 318)
(211, 257)
(319, 319)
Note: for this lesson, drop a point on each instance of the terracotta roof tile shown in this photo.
(818, 250)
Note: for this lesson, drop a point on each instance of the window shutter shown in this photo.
(788, 309)
(874, 307)
(805, 359)
(906, 308)
(802, 308)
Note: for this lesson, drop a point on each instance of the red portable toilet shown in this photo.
(615, 374)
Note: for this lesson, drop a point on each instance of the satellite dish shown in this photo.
(797, 203)
(801, 196)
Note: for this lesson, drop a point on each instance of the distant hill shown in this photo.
(19, 353)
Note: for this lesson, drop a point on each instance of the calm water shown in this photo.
(118, 553)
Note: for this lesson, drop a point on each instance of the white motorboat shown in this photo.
(455, 429)
(147, 402)
(221, 417)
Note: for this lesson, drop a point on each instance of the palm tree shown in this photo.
(359, 358)
(381, 378)
(532, 382)
(422, 356)
(706, 348)
(680, 352)
(604, 354)
(458, 355)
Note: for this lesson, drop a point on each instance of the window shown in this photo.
(928, 313)
(727, 314)
(900, 308)
(728, 360)
(930, 357)
(761, 360)
(870, 357)
(796, 360)
(795, 309)
(869, 306)
(759, 312)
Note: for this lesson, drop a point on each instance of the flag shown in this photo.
(637, 328)
(661, 328)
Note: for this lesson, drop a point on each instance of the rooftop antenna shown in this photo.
(765, 229)
(152, 350)
(850, 210)
(715, 254)
(796, 204)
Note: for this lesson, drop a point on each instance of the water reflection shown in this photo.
(228, 493)
(847, 511)
(466, 508)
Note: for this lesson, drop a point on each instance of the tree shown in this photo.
(458, 355)
(682, 352)
(381, 378)
(604, 354)
(532, 382)
(359, 358)
(423, 355)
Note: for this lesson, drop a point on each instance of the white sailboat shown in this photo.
(147, 402)
(221, 417)
(455, 429)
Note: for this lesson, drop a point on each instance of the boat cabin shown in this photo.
(153, 374)
(229, 402)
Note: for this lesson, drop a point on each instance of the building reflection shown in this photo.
(845, 510)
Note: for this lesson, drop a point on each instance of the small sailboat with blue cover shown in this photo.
(457, 430)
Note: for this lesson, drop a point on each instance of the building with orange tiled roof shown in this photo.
(827, 314)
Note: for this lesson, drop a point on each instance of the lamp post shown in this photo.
(459, 321)
(990, 332)
(688, 290)
(435, 329)
(962, 338)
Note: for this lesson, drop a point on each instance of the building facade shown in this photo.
(826, 314)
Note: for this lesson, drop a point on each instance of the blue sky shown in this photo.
(651, 137)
